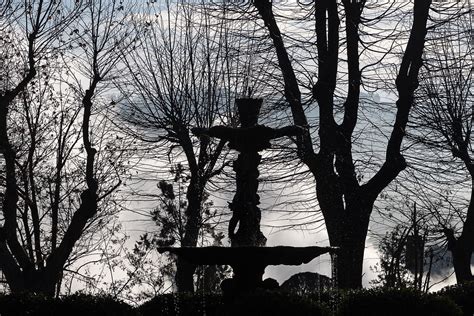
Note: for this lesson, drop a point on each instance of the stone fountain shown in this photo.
(247, 255)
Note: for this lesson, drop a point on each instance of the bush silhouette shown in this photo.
(388, 302)
(462, 295)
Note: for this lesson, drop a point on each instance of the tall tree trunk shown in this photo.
(349, 261)
(461, 251)
(347, 220)
(347, 230)
(462, 262)
(40, 282)
(462, 247)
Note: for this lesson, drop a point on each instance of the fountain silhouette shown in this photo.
(247, 255)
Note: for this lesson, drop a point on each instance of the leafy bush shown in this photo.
(329, 298)
(26, 304)
(439, 306)
(183, 304)
(462, 295)
(394, 302)
(78, 304)
(259, 303)
(92, 305)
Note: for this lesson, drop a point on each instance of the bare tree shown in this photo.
(55, 147)
(185, 73)
(37, 23)
(345, 200)
(442, 124)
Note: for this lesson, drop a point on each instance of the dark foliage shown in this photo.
(89, 305)
(276, 304)
(259, 303)
(462, 295)
(26, 304)
(183, 304)
(329, 298)
(388, 302)
(368, 302)
(78, 304)
(306, 283)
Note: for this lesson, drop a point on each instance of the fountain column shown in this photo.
(245, 211)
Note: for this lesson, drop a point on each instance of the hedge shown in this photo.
(451, 301)
(394, 302)
(274, 303)
(462, 295)
(182, 304)
(261, 303)
(77, 304)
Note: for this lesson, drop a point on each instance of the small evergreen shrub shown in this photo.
(462, 295)
(393, 302)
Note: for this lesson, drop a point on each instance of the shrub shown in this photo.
(434, 305)
(394, 302)
(93, 305)
(26, 304)
(462, 295)
(77, 304)
(259, 303)
(329, 298)
(274, 303)
(182, 304)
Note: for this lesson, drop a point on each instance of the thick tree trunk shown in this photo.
(461, 247)
(40, 283)
(347, 227)
(349, 263)
(350, 239)
(461, 251)
(34, 281)
(462, 263)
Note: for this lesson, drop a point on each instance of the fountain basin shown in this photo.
(248, 254)
(248, 262)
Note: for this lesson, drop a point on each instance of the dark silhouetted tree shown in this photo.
(345, 200)
(60, 169)
(442, 124)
